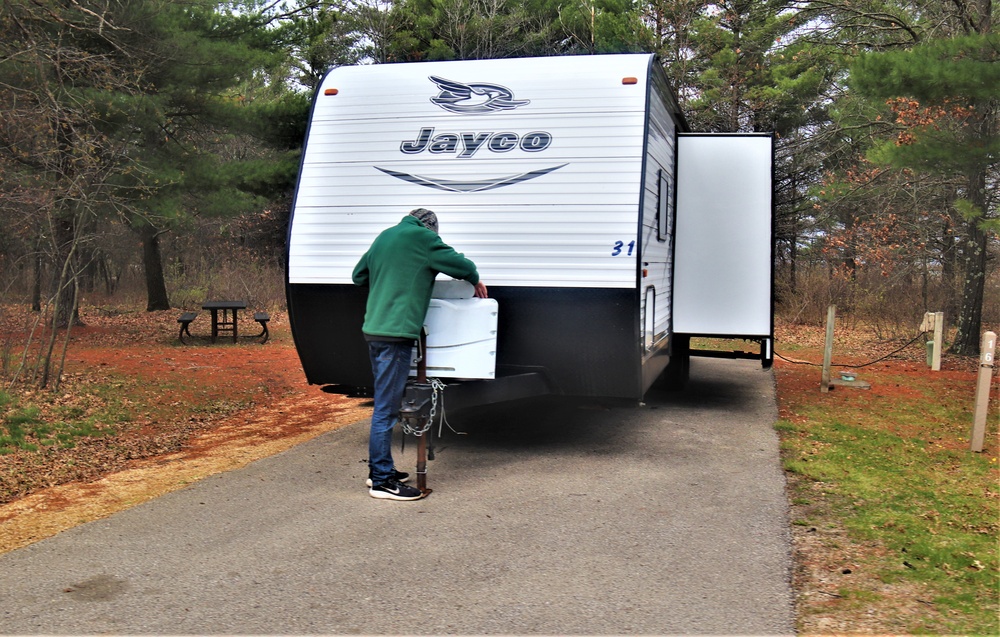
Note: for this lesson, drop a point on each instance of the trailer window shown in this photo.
(664, 220)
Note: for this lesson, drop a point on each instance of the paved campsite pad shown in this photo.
(547, 517)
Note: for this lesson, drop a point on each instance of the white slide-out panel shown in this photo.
(723, 270)
(549, 184)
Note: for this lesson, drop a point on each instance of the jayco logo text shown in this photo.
(467, 144)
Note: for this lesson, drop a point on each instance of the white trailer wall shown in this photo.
(557, 227)
(658, 215)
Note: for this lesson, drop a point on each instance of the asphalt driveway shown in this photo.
(547, 517)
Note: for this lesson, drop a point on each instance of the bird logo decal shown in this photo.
(456, 97)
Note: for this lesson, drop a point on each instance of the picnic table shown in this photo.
(226, 323)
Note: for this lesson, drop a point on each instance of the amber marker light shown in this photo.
(330, 91)
(630, 80)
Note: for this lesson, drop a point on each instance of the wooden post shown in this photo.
(927, 325)
(986, 352)
(938, 341)
(831, 314)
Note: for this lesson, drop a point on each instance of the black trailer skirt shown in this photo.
(584, 340)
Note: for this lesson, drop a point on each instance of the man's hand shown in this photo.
(481, 290)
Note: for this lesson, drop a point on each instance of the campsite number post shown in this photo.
(987, 351)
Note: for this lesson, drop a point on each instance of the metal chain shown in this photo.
(413, 431)
(439, 386)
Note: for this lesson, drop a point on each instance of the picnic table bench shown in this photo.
(262, 318)
(185, 320)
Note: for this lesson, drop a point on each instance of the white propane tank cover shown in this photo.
(452, 289)
(461, 338)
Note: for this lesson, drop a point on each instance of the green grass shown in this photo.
(106, 407)
(29, 427)
(895, 473)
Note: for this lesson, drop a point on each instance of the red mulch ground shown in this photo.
(209, 406)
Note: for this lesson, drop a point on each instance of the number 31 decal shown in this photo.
(617, 248)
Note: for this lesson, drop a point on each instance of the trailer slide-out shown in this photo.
(608, 234)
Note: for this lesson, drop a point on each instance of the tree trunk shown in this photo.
(67, 310)
(793, 257)
(108, 276)
(36, 284)
(88, 270)
(970, 317)
(949, 269)
(156, 287)
(88, 255)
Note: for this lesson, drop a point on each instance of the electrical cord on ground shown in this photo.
(877, 360)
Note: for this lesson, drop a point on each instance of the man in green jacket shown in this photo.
(399, 270)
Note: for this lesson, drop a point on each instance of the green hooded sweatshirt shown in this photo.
(399, 269)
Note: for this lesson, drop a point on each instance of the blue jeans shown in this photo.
(390, 366)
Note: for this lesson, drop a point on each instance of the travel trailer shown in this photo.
(607, 233)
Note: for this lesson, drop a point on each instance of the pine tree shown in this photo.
(943, 94)
(129, 110)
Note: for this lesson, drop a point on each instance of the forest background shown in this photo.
(148, 156)
(149, 148)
